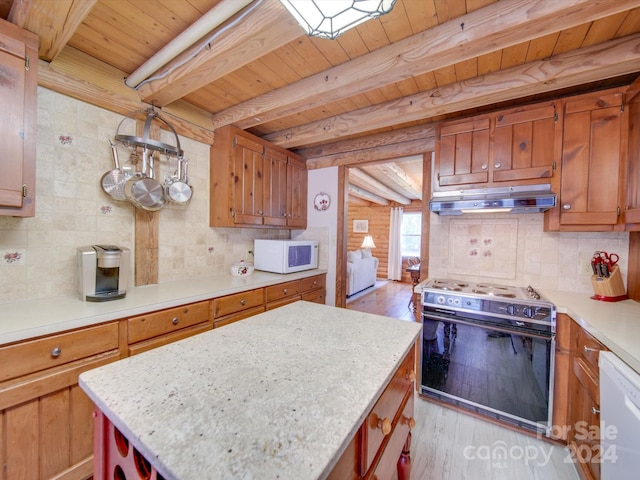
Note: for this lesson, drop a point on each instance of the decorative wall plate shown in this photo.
(322, 201)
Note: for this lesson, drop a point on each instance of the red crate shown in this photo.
(114, 457)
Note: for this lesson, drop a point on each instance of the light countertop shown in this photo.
(33, 318)
(614, 324)
(278, 395)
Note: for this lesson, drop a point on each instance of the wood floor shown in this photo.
(448, 445)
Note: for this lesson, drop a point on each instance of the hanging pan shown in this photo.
(143, 190)
(177, 187)
(113, 181)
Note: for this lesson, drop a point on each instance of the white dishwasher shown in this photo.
(619, 419)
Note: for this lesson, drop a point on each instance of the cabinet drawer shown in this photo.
(385, 410)
(250, 312)
(588, 348)
(237, 302)
(166, 321)
(388, 463)
(312, 283)
(282, 290)
(35, 355)
(315, 296)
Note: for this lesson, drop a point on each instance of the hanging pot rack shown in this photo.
(146, 141)
(176, 187)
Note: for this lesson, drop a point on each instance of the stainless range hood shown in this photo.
(524, 199)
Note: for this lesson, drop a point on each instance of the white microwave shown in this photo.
(285, 256)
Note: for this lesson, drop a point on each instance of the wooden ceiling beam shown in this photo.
(263, 29)
(366, 195)
(494, 27)
(400, 177)
(367, 182)
(54, 22)
(598, 62)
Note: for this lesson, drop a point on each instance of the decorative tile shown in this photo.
(14, 257)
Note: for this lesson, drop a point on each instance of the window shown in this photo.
(411, 228)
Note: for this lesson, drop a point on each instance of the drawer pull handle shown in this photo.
(411, 376)
(409, 421)
(589, 349)
(243, 302)
(566, 206)
(175, 320)
(284, 291)
(595, 411)
(384, 424)
(55, 352)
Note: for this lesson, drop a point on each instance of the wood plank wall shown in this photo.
(379, 220)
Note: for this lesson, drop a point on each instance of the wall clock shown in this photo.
(321, 201)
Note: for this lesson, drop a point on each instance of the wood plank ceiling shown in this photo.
(372, 95)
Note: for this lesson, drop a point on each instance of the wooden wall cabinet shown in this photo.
(47, 426)
(255, 184)
(632, 205)
(505, 148)
(593, 168)
(18, 96)
(584, 403)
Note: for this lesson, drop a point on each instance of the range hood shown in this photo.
(523, 199)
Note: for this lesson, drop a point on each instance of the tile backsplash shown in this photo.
(515, 250)
(38, 255)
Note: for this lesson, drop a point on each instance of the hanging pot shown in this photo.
(177, 187)
(113, 181)
(143, 190)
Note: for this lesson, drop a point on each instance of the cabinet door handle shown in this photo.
(175, 320)
(589, 349)
(484, 166)
(497, 165)
(411, 376)
(243, 302)
(566, 206)
(55, 352)
(409, 421)
(595, 411)
(384, 424)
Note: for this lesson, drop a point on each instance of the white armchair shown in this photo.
(362, 267)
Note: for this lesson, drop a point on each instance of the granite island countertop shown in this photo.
(278, 395)
(34, 318)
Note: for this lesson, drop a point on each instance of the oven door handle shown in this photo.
(485, 326)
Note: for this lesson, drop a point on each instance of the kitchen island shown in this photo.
(282, 394)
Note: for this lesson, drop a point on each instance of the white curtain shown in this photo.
(395, 237)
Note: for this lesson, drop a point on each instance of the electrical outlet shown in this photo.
(249, 254)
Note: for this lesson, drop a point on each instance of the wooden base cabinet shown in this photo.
(381, 447)
(46, 427)
(584, 404)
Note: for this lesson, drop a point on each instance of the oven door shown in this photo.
(502, 372)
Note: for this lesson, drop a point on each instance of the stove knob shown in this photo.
(512, 310)
(529, 312)
(440, 300)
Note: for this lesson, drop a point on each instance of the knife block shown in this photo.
(609, 289)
